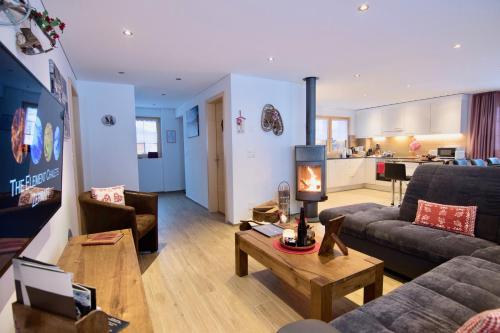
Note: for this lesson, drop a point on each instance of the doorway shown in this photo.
(77, 149)
(216, 165)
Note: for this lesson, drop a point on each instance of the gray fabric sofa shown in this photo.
(456, 276)
(439, 301)
(411, 250)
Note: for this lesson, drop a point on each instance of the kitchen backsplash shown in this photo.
(400, 144)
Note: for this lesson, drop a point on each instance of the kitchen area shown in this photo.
(412, 133)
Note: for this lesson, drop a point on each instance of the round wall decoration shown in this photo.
(108, 120)
(271, 120)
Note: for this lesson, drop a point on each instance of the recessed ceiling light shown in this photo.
(365, 94)
(363, 7)
(121, 73)
(408, 85)
(457, 46)
(127, 33)
(178, 78)
(163, 94)
(154, 104)
(357, 75)
(270, 59)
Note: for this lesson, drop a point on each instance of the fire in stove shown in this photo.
(309, 178)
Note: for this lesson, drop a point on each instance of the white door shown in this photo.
(221, 182)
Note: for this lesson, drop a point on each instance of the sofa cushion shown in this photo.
(465, 186)
(359, 216)
(431, 244)
(145, 222)
(438, 301)
(490, 253)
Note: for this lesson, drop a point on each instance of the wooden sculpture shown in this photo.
(332, 232)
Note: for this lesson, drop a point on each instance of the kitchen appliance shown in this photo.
(451, 153)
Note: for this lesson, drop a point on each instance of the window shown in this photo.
(148, 136)
(333, 132)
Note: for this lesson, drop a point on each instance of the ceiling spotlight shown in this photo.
(270, 59)
(408, 85)
(178, 79)
(357, 75)
(363, 7)
(163, 94)
(457, 46)
(127, 33)
(121, 73)
(365, 94)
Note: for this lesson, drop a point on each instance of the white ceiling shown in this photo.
(393, 44)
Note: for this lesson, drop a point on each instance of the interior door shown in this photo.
(221, 181)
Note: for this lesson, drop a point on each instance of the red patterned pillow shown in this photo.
(113, 194)
(458, 219)
(484, 322)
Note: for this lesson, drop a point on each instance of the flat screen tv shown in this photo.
(31, 156)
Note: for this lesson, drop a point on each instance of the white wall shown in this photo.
(50, 242)
(166, 173)
(196, 149)
(109, 152)
(261, 160)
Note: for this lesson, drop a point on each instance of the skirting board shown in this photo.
(368, 186)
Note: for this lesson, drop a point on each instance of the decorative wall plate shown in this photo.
(271, 120)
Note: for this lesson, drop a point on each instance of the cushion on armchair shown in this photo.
(114, 194)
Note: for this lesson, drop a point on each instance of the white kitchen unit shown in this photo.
(368, 123)
(449, 114)
(345, 173)
(443, 115)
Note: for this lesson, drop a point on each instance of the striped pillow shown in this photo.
(484, 322)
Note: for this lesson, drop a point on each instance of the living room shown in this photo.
(261, 167)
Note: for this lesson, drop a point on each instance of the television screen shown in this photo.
(31, 156)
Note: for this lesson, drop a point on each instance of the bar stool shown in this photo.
(396, 172)
(478, 162)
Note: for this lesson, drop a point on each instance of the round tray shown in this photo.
(297, 248)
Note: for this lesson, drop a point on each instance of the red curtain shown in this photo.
(484, 127)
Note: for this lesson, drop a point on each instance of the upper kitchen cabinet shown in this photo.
(368, 123)
(393, 121)
(417, 117)
(449, 114)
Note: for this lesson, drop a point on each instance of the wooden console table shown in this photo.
(320, 278)
(114, 271)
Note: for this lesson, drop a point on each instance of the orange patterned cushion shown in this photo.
(484, 322)
(113, 194)
(458, 219)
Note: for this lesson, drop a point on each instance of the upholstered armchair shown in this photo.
(140, 214)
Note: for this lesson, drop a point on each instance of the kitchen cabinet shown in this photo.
(449, 114)
(392, 121)
(368, 123)
(417, 117)
(345, 172)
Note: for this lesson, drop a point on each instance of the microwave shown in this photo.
(452, 152)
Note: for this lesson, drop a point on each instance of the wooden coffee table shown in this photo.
(320, 278)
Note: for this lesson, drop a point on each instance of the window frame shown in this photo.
(329, 138)
(157, 120)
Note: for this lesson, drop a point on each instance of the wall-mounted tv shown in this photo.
(31, 156)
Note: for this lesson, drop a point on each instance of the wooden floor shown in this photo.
(191, 285)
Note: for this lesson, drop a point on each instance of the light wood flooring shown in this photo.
(191, 285)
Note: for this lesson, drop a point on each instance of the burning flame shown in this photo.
(311, 184)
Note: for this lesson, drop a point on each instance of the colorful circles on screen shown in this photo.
(48, 142)
(36, 145)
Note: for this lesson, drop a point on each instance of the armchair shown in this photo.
(140, 214)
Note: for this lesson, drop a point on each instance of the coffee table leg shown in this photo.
(321, 299)
(374, 290)
(241, 258)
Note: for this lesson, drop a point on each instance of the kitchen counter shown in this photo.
(408, 159)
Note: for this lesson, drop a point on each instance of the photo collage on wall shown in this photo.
(59, 89)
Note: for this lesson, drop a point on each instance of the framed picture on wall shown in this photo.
(192, 122)
(59, 90)
(171, 136)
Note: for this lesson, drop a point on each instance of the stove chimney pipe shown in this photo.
(311, 110)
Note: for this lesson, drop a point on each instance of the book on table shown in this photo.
(104, 238)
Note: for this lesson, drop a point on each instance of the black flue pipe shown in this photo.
(311, 110)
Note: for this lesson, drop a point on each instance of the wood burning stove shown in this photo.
(310, 160)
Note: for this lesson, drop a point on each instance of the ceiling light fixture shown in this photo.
(178, 79)
(270, 59)
(408, 85)
(121, 73)
(127, 33)
(357, 75)
(163, 94)
(363, 7)
(457, 46)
